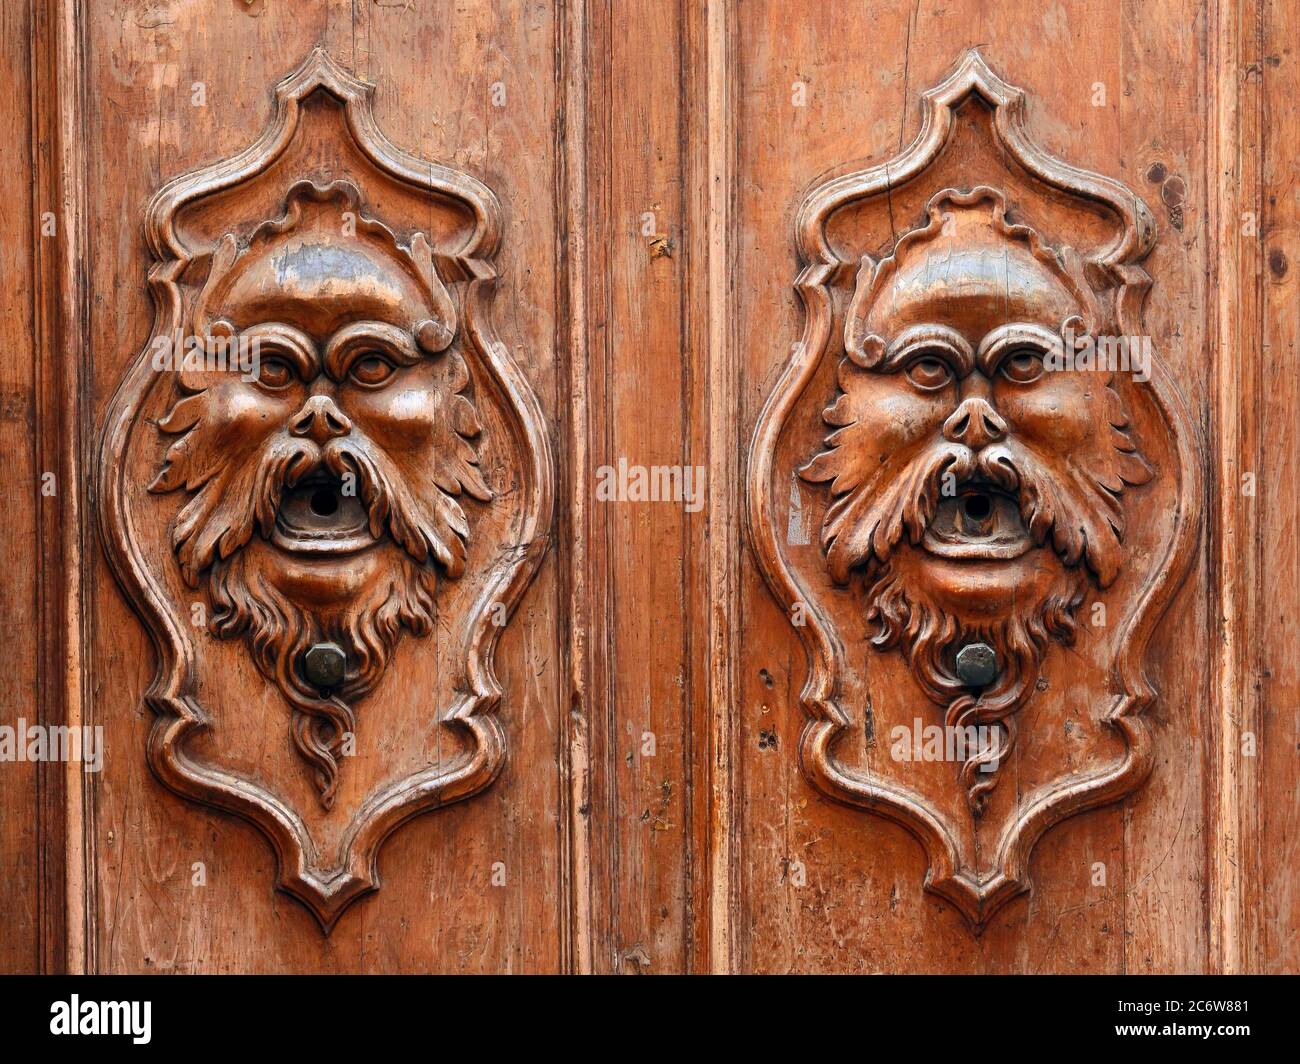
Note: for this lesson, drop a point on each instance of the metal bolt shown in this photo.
(977, 665)
(324, 665)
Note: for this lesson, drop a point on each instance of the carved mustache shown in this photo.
(867, 525)
(379, 484)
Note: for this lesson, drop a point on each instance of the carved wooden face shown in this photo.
(975, 487)
(953, 428)
(353, 430)
(325, 480)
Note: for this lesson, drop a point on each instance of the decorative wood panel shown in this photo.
(333, 419)
(640, 169)
(988, 489)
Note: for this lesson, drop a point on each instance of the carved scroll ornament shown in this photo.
(325, 388)
(994, 479)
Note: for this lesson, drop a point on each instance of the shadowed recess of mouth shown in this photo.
(980, 522)
(316, 516)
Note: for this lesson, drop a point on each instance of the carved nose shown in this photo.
(974, 423)
(320, 420)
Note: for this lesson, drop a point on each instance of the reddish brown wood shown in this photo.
(326, 434)
(646, 182)
(981, 366)
(24, 893)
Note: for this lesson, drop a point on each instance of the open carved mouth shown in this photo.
(317, 517)
(979, 522)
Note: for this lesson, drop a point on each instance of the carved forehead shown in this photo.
(320, 266)
(318, 285)
(971, 270)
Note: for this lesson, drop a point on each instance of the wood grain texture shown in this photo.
(921, 333)
(725, 448)
(23, 898)
(1272, 895)
(854, 909)
(58, 415)
(370, 338)
(1235, 158)
(1254, 842)
(641, 787)
(649, 160)
(498, 873)
(576, 528)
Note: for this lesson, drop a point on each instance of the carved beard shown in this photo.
(929, 626)
(221, 517)
(930, 635)
(248, 599)
(278, 632)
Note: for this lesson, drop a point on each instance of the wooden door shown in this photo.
(640, 487)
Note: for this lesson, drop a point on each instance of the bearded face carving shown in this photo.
(976, 492)
(324, 494)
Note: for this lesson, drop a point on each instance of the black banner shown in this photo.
(338, 1013)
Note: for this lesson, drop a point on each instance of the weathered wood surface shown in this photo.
(652, 814)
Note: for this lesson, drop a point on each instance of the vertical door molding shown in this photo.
(726, 475)
(579, 571)
(1239, 623)
(64, 814)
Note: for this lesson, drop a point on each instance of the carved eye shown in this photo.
(1022, 366)
(929, 373)
(275, 373)
(371, 370)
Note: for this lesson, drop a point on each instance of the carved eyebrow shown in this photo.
(938, 340)
(363, 337)
(1007, 338)
(285, 341)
